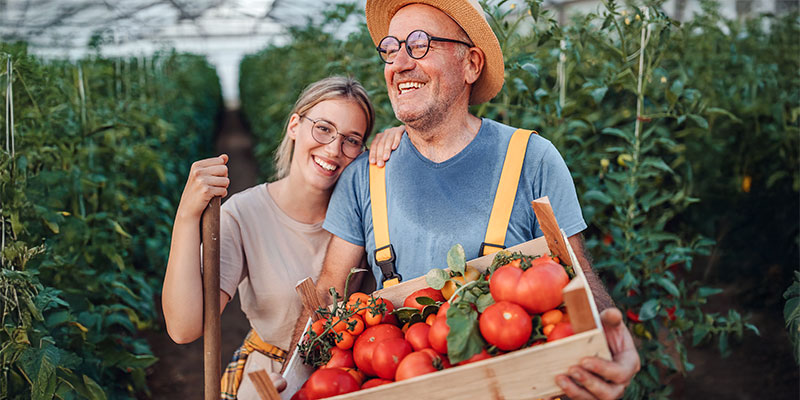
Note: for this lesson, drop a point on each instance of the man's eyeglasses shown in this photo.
(325, 132)
(417, 43)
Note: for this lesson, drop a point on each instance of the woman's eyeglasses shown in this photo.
(325, 132)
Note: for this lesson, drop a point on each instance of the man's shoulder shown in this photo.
(537, 145)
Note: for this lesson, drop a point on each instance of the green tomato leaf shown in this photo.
(425, 301)
(649, 309)
(436, 278)
(669, 286)
(456, 259)
(464, 339)
(707, 291)
(94, 390)
(484, 301)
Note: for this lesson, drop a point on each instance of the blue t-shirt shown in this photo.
(432, 206)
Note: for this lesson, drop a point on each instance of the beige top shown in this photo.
(265, 252)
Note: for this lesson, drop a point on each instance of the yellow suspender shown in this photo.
(384, 253)
(506, 192)
(498, 220)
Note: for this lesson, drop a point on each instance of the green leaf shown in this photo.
(425, 301)
(456, 259)
(464, 339)
(699, 333)
(598, 196)
(619, 133)
(649, 309)
(669, 286)
(94, 390)
(484, 301)
(531, 69)
(707, 291)
(436, 278)
(700, 121)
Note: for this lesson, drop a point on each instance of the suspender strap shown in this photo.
(506, 192)
(384, 252)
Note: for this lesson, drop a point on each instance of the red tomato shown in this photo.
(505, 325)
(483, 355)
(411, 300)
(375, 382)
(504, 281)
(445, 362)
(340, 359)
(346, 342)
(539, 288)
(300, 395)
(329, 382)
(443, 310)
(561, 330)
(414, 364)
(388, 354)
(437, 335)
(417, 335)
(372, 319)
(365, 345)
(318, 326)
(358, 301)
(356, 374)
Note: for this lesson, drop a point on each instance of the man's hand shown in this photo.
(596, 378)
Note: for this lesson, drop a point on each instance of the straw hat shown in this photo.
(466, 13)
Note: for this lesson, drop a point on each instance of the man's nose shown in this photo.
(403, 61)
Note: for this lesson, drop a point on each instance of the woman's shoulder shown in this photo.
(245, 199)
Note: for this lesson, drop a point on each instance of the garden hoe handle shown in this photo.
(212, 354)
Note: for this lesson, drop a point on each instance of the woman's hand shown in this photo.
(384, 143)
(207, 178)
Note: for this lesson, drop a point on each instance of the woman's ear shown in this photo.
(291, 129)
(474, 63)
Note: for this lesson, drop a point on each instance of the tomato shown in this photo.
(417, 335)
(552, 317)
(561, 330)
(358, 327)
(375, 382)
(443, 310)
(430, 319)
(415, 364)
(483, 355)
(504, 281)
(340, 358)
(411, 300)
(356, 374)
(329, 382)
(365, 345)
(442, 359)
(346, 342)
(437, 335)
(301, 394)
(505, 325)
(470, 274)
(543, 260)
(539, 288)
(318, 326)
(387, 356)
(372, 319)
(358, 301)
(548, 328)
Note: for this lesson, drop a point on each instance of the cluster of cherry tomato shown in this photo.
(372, 350)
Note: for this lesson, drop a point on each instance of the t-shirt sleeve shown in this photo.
(556, 182)
(345, 213)
(231, 254)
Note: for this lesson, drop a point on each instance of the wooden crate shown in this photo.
(523, 374)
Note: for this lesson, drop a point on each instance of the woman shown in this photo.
(271, 234)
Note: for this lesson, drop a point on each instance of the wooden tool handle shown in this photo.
(212, 340)
(308, 294)
(547, 221)
(266, 390)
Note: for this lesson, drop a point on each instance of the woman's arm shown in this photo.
(182, 293)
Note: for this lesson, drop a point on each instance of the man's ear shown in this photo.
(291, 128)
(475, 61)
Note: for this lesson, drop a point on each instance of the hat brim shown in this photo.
(380, 12)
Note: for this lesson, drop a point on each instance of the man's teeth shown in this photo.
(323, 164)
(409, 86)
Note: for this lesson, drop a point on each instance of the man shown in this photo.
(441, 57)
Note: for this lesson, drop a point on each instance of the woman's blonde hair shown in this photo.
(331, 88)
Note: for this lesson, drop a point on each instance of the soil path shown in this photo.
(179, 372)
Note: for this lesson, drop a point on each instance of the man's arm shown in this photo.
(340, 257)
(595, 378)
(601, 296)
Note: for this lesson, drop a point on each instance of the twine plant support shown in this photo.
(10, 145)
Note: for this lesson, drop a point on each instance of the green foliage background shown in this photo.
(707, 170)
(88, 197)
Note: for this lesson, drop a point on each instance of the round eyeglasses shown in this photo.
(417, 43)
(325, 132)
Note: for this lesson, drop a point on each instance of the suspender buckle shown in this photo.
(486, 248)
(390, 275)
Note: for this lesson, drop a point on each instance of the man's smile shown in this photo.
(405, 87)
